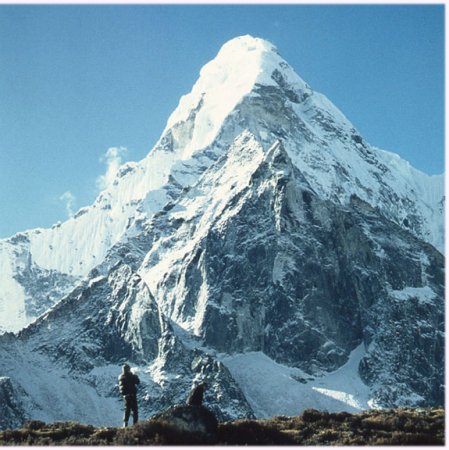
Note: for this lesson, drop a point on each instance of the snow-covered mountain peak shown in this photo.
(248, 43)
(246, 93)
(254, 57)
(262, 232)
(240, 65)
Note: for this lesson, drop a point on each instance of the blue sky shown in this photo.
(76, 80)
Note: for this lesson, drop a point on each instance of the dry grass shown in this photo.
(387, 427)
(148, 432)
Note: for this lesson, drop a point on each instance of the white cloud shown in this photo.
(113, 159)
(69, 199)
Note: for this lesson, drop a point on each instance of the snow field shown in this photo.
(271, 388)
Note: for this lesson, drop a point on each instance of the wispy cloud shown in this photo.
(113, 160)
(69, 199)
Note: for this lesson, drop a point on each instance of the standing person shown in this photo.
(128, 382)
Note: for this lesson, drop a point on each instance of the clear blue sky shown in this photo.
(76, 80)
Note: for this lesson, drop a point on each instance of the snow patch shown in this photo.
(274, 389)
(425, 295)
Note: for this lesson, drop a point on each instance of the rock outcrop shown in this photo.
(191, 418)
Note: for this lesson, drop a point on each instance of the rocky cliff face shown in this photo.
(273, 234)
(302, 279)
(68, 361)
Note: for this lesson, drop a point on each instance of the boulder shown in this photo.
(191, 418)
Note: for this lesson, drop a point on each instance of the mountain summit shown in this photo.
(242, 64)
(262, 246)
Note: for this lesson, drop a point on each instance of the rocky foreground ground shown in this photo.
(386, 427)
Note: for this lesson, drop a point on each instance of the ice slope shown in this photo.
(80, 243)
(12, 300)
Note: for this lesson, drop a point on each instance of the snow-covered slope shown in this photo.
(266, 383)
(249, 86)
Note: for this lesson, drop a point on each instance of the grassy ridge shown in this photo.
(386, 427)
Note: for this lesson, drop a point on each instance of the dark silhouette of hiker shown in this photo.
(196, 395)
(128, 382)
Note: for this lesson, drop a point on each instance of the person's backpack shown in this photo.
(127, 383)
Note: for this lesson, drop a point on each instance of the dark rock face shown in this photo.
(42, 288)
(195, 397)
(306, 281)
(191, 418)
(13, 414)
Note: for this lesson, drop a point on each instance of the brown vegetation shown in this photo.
(386, 427)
